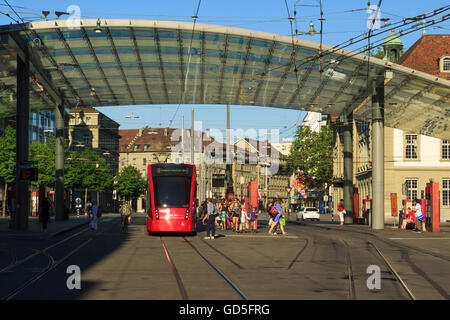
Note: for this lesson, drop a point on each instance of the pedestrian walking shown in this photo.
(219, 215)
(341, 212)
(125, 212)
(94, 221)
(44, 213)
(278, 220)
(243, 220)
(89, 208)
(253, 216)
(223, 214)
(236, 213)
(211, 216)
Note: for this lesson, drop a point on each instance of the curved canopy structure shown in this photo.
(133, 62)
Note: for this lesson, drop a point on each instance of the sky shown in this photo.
(343, 20)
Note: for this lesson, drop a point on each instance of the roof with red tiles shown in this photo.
(126, 136)
(424, 55)
(162, 139)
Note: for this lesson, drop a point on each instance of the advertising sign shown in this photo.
(394, 209)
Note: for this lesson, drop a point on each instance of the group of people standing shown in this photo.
(232, 214)
(227, 214)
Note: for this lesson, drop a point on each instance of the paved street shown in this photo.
(313, 261)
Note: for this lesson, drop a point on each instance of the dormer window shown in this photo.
(444, 63)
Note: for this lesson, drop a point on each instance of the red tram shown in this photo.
(171, 194)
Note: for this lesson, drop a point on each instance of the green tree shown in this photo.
(379, 53)
(44, 155)
(311, 154)
(97, 175)
(7, 160)
(87, 170)
(130, 183)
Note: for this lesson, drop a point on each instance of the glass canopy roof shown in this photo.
(134, 62)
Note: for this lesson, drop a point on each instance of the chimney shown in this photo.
(140, 132)
(207, 134)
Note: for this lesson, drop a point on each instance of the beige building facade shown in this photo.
(141, 147)
(410, 159)
(89, 128)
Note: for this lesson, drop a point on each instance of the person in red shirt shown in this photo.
(410, 217)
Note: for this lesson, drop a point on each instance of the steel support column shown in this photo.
(348, 167)
(378, 156)
(59, 163)
(22, 143)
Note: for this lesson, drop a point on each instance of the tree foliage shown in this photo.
(8, 155)
(87, 170)
(130, 183)
(311, 155)
(44, 155)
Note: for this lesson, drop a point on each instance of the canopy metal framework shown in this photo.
(53, 64)
(134, 62)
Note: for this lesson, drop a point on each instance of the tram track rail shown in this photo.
(181, 288)
(393, 271)
(52, 262)
(11, 254)
(351, 279)
(441, 258)
(393, 243)
(16, 263)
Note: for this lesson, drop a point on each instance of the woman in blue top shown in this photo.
(277, 219)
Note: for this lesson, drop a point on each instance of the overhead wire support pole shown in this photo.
(22, 119)
(378, 154)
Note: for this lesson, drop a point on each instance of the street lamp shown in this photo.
(132, 116)
(98, 29)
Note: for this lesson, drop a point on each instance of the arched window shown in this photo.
(444, 64)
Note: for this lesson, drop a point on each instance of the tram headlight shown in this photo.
(156, 214)
(187, 214)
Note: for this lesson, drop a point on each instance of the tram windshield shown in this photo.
(172, 191)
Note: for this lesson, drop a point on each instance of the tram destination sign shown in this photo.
(172, 170)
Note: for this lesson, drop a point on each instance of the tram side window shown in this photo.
(172, 192)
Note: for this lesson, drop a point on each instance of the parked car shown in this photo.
(310, 213)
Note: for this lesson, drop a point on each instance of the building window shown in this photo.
(134, 161)
(411, 146)
(446, 192)
(444, 64)
(144, 162)
(411, 186)
(88, 120)
(445, 149)
(86, 139)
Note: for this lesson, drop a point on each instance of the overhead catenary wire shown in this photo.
(362, 37)
(414, 28)
(195, 17)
